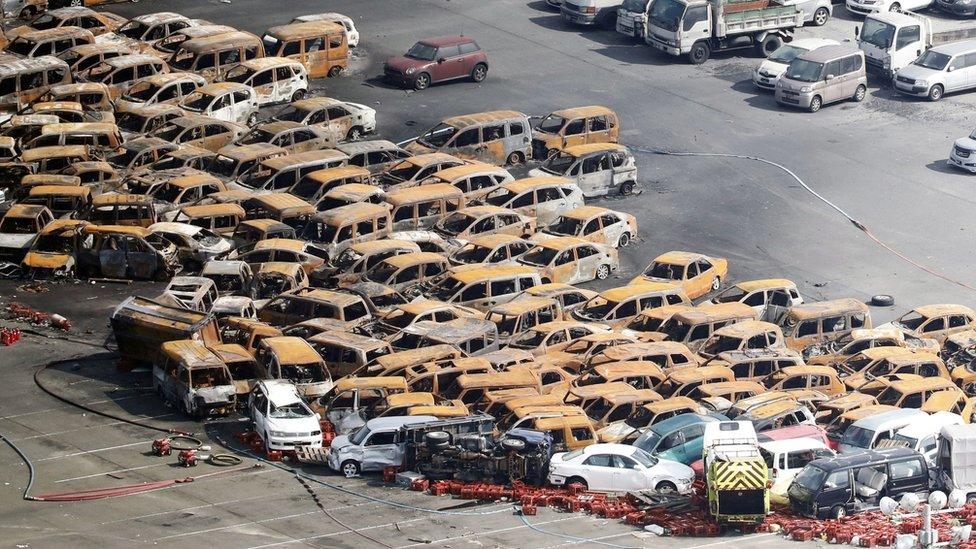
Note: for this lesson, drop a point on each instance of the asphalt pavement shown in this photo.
(881, 161)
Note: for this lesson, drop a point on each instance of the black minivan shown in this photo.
(846, 484)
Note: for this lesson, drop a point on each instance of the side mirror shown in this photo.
(440, 60)
(857, 31)
(951, 68)
(829, 77)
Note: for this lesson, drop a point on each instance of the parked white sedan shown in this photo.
(619, 468)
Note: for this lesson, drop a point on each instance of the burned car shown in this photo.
(18, 229)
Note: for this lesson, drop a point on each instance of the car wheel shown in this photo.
(479, 72)
(821, 16)
(895, 7)
(349, 468)
(699, 53)
(768, 45)
(252, 119)
(860, 93)
(935, 92)
(28, 13)
(602, 272)
(355, 133)
(421, 82)
(577, 480)
(838, 512)
(627, 187)
(666, 487)
(883, 300)
(716, 283)
(515, 158)
(624, 240)
(334, 71)
(815, 103)
(298, 95)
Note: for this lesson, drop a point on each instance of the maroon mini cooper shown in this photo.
(436, 60)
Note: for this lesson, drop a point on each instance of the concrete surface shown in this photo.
(883, 161)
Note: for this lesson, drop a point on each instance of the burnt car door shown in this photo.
(141, 258)
(111, 256)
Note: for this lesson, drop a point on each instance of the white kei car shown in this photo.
(768, 72)
(619, 468)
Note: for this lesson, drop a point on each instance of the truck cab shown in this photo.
(892, 40)
(632, 18)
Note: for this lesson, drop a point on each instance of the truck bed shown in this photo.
(769, 18)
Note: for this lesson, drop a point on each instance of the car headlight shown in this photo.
(921, 82)
(279, 433)
(588, 9)
(411, 70)
(805, 89)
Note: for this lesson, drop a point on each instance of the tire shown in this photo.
(815, 104)
(623, 241)
(349, 468)
(700, 52)
(716, 283)
(479, 72)
(936, 92)
(821, 16)
(860, 93)
(665, 487)
(334, 72)
(577, 480)
(883, 300)
(28, 13)
(355, 134)
(768, 45)
(626, 188)
(421, 82)
(603, 272)
(298, 95)
(515, 158)
(252, 120)
(513, 444)
(895, 7)
(838, 512)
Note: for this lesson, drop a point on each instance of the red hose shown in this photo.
(89, 495)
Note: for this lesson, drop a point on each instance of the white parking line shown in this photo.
(262, 521)
(92, 403)
(96, 450)
(185, 509)
(488, 533)
(339, 533)
(115, 471)
(110, 424)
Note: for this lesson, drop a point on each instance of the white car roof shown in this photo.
(184, 229)
(280, 392)
(395, 422)
(792, 445)
(929, 425)
(609, 448)
(812, 43)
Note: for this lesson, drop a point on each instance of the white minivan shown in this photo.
(940, 70)
(281, 418)
(770, 69)
(228, 101)
(275, 79)
(922, 434)
(372, 447)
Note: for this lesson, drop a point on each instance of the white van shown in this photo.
(785, 458)
(865, 434)
(940, 70)
(922, 434)
(228, 101)
(281, 418)
(371, 447)
(275, 79)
